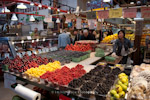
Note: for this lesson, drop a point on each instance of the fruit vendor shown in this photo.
(87, 35)
(122, 47)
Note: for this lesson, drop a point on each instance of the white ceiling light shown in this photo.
(39, 5)
(37, 40)
(58, 10)
(106, 0)
(68, 12)
(14, 17)
(88, 2)
(32, 19)
(117, 6)
(49, 8)
(31, 4)
(21, 6)
(5, 9)
(131, 2)
(43, 39)
(57, 21)
(32, 41)
(22, 41)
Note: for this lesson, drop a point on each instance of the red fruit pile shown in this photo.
(64, 75)
(27, 62)
(78, 47)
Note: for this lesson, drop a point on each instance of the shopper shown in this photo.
(87, 36)
(94, 35)
(35, 33)
(110, 33)
(77, 35)
(81, 34)
(100, 36)
(122, 47)
(63, 40)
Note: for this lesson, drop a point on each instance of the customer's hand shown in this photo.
(131, 50)
(114, 55)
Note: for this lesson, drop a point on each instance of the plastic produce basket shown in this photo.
(76, 59)
(110, 59)
(99, 55)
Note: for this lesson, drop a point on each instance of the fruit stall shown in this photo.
(74, 72)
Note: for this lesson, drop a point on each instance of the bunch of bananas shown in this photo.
(37, 72)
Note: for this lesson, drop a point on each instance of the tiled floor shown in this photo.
(5, 94)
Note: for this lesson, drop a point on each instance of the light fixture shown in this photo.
(39, 5)
(22, 41)
(43, 39)
(32, 19)
(5, 9)
(14, 17)
(57, 21)
(32, 41)
(131, 2)
(21, 6)
(88, 2)
(37, 40)
(138, 16)
(68, 12)
(58, 10)
(49, 8)
(106, 0)
(13, 43)
(117, 6)
(31, 4)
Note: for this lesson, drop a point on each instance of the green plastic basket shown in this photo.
(84, 57)
(76, 59)
(99, 55)
(110, 59)
(5, 67)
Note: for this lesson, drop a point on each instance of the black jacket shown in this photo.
(118, 46)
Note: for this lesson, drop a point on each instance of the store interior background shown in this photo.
(23, 27)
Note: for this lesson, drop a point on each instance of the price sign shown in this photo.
(19, 54)
(44, 51)
(34, 52)
(23, 53)
(47, 50)
(115, 13)
(29, 37)
(29, 53)
(6, 55)
(39, 50)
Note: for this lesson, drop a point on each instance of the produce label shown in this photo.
(145, 11)
(115, 13)
(78, 23)
(103, 14)
(130, 13)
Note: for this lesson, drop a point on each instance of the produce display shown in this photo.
(120, 88)
(22, 64)
(140, 83)
(65, 56)
(99, 52)
(64, 75)
(37, 72)
(99, 81)
(109, 38)
(78, 47)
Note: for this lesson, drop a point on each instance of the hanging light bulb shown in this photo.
(31, 4)
(58, 10)
(39, 5)
(37, 40)
(88, 2)
(21, 6)
(106, 0)
(5, 9)
(57, 21)
(43, 39)
(14, 17)
(32, 41)
(13, 43)
(32, 19)
(22, 41)
(68, 12)
(49, 8)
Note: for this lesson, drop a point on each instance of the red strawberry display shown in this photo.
(64, 75)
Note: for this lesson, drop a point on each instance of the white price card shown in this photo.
(29, 53)
(9, 80)
(34, 52)
(6, 55)
(47, 50)
(43, 50)
(51, 49)
(39, 50)
(19, 54)
(23, 53)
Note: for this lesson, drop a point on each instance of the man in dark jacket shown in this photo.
(87, 36)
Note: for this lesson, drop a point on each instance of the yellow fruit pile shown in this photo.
(120, 88)
(109, 38)
(37, 72)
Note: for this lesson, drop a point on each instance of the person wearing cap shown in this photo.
(87, 36)
(122, 47)
(63, 39)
